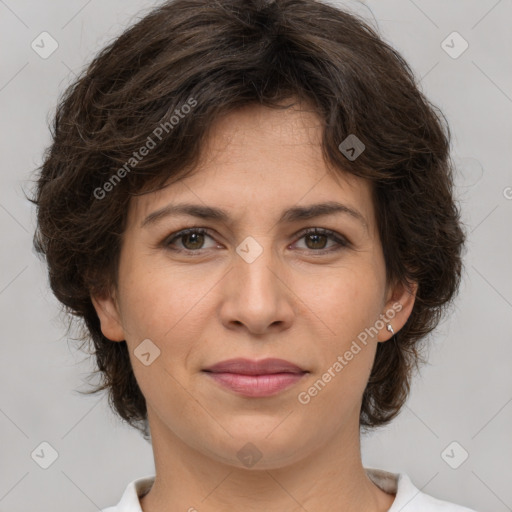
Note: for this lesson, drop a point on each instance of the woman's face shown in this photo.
(254, 286)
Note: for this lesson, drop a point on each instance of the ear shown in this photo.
(399, 303)
(108, 312)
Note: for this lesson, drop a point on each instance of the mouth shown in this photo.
(250, 367)
(250, 378)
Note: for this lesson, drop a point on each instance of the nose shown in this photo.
(256, 296)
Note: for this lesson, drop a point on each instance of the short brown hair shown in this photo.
(224, 55)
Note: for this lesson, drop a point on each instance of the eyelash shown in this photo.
(340, 240)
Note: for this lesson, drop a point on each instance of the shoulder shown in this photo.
(408, 498)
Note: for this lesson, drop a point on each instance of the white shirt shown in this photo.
(408, 498)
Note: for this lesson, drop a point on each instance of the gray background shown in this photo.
(463, 395)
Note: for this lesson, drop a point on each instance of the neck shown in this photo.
(331, 477)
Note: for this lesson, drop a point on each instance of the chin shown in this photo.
(263, 448)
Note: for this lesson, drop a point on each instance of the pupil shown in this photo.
(193, 235)
(316, 237)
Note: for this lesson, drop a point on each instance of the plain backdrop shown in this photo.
(461, 404)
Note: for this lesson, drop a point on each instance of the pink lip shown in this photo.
(256, 378)
(251, 367)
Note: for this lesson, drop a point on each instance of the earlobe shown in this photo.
(397, 309)
(108, 314)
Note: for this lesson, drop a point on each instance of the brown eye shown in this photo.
(317, 241)
(191, 240)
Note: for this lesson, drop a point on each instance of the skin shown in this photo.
(291, 302)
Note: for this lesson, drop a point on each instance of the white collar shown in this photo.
(408, 498)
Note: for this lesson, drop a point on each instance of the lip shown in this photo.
(246, 377)
(250, 367)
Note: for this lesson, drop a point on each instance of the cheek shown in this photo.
(349, 301)
(349, 306)
(157, 303)
(166, 308)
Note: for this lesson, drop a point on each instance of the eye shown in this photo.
(192, 239)
(316, 240)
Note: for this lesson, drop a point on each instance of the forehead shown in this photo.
(262, 160)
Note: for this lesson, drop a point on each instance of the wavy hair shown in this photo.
(226, 54)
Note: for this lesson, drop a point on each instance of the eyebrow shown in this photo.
(293, 214)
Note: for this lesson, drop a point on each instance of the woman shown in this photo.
(250, 206)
